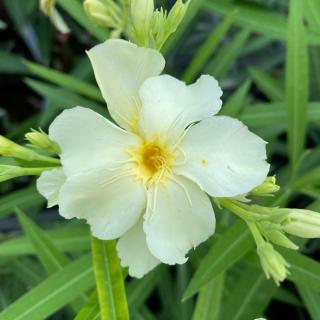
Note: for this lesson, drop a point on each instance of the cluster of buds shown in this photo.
(107, 13)
(270, 226)
(152, 27)
(33, 163)
(272, 262)
(138, 19)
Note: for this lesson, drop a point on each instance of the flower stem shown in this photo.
(236, 208)
(109, 281)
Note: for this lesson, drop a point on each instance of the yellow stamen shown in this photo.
(154, 161)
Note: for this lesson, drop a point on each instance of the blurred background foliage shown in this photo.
(266, 56)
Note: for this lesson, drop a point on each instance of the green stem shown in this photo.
(109, 281)
(10, 172)
(47, 159)
(235, 208)
(255, 233)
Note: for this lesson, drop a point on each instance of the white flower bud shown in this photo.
(273, 264)
(303, 223)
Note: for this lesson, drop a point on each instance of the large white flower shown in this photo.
(146, 182)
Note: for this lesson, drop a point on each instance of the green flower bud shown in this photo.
(41, 140)
(176, 15)
(141, 13)
(163, 25)
(8, 172)
(303, 223)
(273, 264)
(47, 5)
(98, 13)
(9, 148)
(267, 188)
(277, 237)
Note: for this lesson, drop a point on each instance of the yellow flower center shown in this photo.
(154, 161)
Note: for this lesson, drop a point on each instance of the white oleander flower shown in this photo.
(145, 181)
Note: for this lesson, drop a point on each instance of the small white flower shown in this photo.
(145, 183)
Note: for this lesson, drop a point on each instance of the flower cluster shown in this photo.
(137, 19)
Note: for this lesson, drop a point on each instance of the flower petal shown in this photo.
(179, 216)
(176, 104)
(134, 253)
(223, 157)
(49, 185)
(110, 201)
(120, 68)
(88, 140)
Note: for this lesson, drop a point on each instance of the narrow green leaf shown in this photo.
(303, 270)
(288, 297)
(53, 293)
(269, 86)
(19, 12)
(25, 198)
(64, 238)
(90, 310)
(51, 258)
(19, 131)
(296, 82)
(75, 9)
(262, 114)
(65, 81)
(311, 301)
(256, 45)
(233, 106)
(139, 290)
(314, 74)
(63, 98)
(260, 20)
(208, 48)
(250, 296)
(209, 300)
(27, 270)
(109, 281)
(231, 247)
(312, 13)
(193, 9)
(12, 64)
(221, 63)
